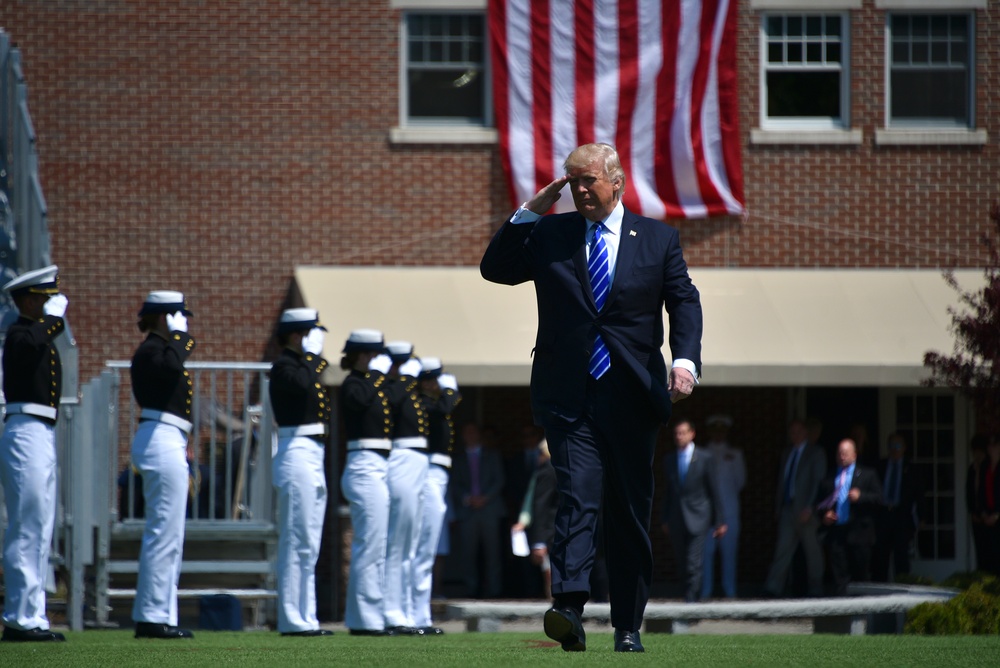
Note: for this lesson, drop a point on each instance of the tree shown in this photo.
(974, 368)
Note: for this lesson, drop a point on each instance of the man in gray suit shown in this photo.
(691, 505)
(803, 467)
(476, 485)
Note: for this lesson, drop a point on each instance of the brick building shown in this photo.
(250, 153)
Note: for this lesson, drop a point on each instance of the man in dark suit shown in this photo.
(599, 385)
(897, 519)
(803, 466)
(476, 489)
(691, 505)
(847, 504)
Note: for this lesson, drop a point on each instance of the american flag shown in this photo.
(654, 78)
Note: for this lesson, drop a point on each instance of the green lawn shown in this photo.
(464, 650)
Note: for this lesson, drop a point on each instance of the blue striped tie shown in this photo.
(600, 283)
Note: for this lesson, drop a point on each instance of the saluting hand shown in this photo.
(547, 196)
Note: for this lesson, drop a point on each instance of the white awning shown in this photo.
(763, 327)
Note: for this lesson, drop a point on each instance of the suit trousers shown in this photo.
(28, 476)
(791, 533)
(689, 552)
(892, 544)
(405, 478)
(159, 453)
(606, 455)
(431, 526)
(300, 483)
(364, 486)
(849, 559)
(728, 549)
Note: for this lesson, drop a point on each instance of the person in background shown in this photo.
(163, 390)
(32, 386)
(897, 519)
(977, 455)
(847, 503)
(367, 414)
(538, 513)
(732, 474)
(988, 505)
(302, 410)
(439, 395)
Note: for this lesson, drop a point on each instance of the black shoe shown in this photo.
(372, 632)
(312, 633)
(403, 630)
(628, 641)
(165, 631)
(564, 626)
(10, 634)
(430, 631)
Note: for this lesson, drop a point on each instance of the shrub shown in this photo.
(975, 611)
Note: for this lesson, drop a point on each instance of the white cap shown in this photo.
(164, 301)
(431, 367)
(44, 281)
(297, 319)
(364, 339)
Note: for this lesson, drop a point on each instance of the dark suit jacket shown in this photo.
(491, 483)
(809, 473)
(861, 520)
(693, 505)
(910, 493)
(650, 274)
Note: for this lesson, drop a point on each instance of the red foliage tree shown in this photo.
(974, 368)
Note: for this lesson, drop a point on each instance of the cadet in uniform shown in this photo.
(302, 411)
(405, 478)
(364, 404)
(32, 385)
(163, 389)
(439, 396)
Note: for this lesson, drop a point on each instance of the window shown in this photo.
(805, 80)
(930, 72)
(445, 75)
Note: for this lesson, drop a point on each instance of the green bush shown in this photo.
(975, 611)
(964, 580)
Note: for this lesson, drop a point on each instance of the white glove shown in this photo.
(312, 342)
(381, 363)
(411, 367)
(176, 322)
(448, 382)
(56, 305)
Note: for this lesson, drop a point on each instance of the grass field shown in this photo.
(465, 650)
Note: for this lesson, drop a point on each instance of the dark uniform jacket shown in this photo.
(297, 396)
(159, 380)
(408, 415)
(860, 526)
(32, 370)
(441, 435)
(364, 403)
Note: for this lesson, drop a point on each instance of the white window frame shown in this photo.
(970, 102)
(443, 131)
(817, 125)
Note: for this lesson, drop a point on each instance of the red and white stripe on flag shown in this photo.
(654, 78)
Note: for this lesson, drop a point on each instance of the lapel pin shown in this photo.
(631, 233)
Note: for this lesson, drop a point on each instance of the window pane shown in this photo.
(904, 410)
(959, 53)
(794, 28)
(900, 53)
(775, 52)
(945, 410)
(814, 26)
(794, 52)
(946, 544)
(959, 25)
(456, 52)
(925, 545)
(925, 444)
(833, 52)
(448, 93)
(939, 53)
(814, 52)
(945, 510)
(833, 26)
(920, 53)
(435, 52)
(803, 94)
(921, 26)
(929, 94)
(945, 477)
(900, 26)
(939, 25)
(774, 26)
(925, 409)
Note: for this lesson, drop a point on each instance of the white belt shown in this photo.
(166, 418)
(37, 410)
(314, 429)
(415, 442)
(441, 459)
(370, 444)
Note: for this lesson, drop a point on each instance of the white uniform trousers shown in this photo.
(300, 483)
(431, 524)
(727, 547)
(28, 476)
(364, 486)
(159, 454)
(406, 476)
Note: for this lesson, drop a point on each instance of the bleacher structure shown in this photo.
(230, 533)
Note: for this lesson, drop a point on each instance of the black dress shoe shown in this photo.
(430, 631)
(10, 634)
(564, 626)
(628, 641)
(404, 630)
(312, 633)
(165, 631)
(372, 632)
